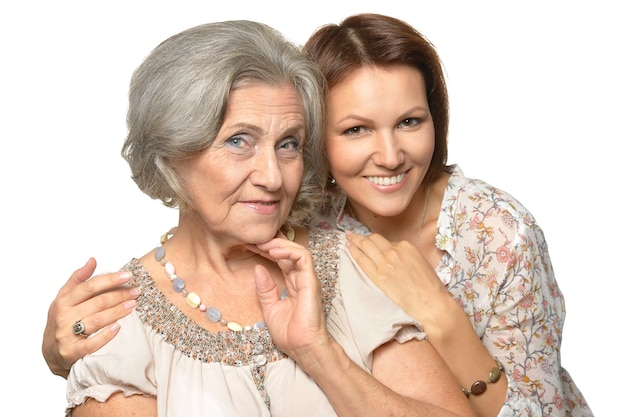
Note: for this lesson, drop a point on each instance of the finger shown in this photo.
(82, 274)
(375, 244)
(281, 250)
(108, 299)
(106, 309)
(263, 248)
(79, 276)
(277, 242)
(366, 253)
(61, 346)
(84, 346)
(97, 285)
(370, 246)
(293, 260)
(94, 303)
(265, 287)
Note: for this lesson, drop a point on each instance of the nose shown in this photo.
(389, 153)
(266, 172)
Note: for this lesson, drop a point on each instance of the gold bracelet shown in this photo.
(479, 387)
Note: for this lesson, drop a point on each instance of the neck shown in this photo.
(198, 282)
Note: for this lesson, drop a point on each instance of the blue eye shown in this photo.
(290, 144)
(235, 141)
(289, 147)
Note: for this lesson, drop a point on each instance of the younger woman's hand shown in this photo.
(97, 302)
(403, 274)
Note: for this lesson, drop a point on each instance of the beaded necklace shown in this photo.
(192, 299)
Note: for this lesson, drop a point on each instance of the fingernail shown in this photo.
(115, 327)
(124, 276)
(130, 304)
(135, 291)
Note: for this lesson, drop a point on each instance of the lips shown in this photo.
(262, 207)
(387, 180)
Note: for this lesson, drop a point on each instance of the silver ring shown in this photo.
(79, 328)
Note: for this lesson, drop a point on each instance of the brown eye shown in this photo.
(353, 131)
(411, 121)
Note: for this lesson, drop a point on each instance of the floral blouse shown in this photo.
(496, 265)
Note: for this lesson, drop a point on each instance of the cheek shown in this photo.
(428, 150)
(334, 152)
(343, 157)
(293, 178)
(419, 147)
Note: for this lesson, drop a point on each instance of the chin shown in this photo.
(254, 238)
(387, 211)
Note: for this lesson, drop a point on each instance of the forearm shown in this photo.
(455, 339)
(354, 392)
(470, 361)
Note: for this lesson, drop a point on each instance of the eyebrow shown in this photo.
(247, 126)
(257, 129)
(403, 114)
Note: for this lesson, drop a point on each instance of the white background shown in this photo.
(537, 102)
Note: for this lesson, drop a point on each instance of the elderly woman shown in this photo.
(221, 118)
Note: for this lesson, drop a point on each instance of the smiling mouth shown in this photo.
(394, 179)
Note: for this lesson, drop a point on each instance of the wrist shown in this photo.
(480, 386)
(325, 355)
(445, 321)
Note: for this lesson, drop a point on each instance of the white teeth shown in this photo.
(387, 180)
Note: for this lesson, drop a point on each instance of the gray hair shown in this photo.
(178, 98)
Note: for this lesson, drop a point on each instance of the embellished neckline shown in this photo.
(163, 319)
(192, 299)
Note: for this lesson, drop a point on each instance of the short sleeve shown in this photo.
(363, 318)
(125, 364)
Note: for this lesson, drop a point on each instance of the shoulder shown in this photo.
(474, 214)
(470, 197)
(324, 245)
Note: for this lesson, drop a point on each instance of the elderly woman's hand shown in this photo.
(82, 307)
(292, 310)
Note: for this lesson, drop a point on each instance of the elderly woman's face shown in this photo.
(243, 186)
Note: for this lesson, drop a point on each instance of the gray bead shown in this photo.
(178, 284)
(213, 314)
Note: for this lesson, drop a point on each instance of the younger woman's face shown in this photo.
(380, 138)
